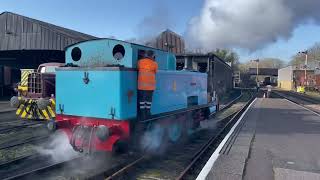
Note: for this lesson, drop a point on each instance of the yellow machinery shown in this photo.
(36, 93)
(301, 89)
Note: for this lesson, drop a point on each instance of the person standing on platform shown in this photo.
(258, 86)
(147, 69)
(268, 90)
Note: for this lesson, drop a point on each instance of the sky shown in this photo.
(128, 19)
(304, 36)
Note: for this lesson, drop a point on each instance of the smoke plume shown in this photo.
(249, 24)
(59, 148)
(151, 25)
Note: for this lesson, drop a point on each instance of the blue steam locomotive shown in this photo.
(96, 95)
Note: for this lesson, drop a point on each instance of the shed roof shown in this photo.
(21, 32)
(65, 31)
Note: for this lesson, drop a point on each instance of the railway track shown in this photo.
(191, 171)
(30, 166)
(79, 167)
(31, 140)
(115, 170)
(9, 122)
(228, 104)
(302, 100)
(17, 141)
(13, 127)
(301, 96)
(175, 164)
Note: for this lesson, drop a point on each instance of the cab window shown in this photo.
(42, 69)
(48, 69)
(141, 54)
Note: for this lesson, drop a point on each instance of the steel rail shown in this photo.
(122, 170)
(229, 104)
(213, 139)
(21, 126)
(127, 168)
(43, 169)
(29, 140)
(296, 102)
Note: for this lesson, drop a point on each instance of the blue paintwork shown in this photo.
(99, 53)
(105, 90)
(109, 88)
(167, 98)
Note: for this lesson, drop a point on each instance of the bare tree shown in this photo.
(313, 55)
(228, 56)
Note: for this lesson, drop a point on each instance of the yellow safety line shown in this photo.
(30, 116)
(45, 114)
(51, 112)
(40, 114)
(23, 115)
(20, 109)
(53, 102)
(24, 78)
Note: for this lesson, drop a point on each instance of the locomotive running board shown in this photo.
(172, 113)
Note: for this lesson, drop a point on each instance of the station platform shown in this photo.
(274, 139)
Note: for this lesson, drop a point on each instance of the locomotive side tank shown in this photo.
(96, 93)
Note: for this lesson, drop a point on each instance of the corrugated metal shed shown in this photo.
(18, 32)
(169, 41)
(27, 43)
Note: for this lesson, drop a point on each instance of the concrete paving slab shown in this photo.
(260, 167)
(228, 164)
(237, 156)
(223, 176)
(290, 174)
(285, 137)
(241, 150)
(246, 134)
(284, 144)
(243, 141)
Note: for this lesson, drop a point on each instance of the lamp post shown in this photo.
(305, 65)
(257, 68)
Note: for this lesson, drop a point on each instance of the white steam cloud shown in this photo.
(248, 24)
(59, 148)
(153, 141)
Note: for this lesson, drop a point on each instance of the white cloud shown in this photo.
(248, 24)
